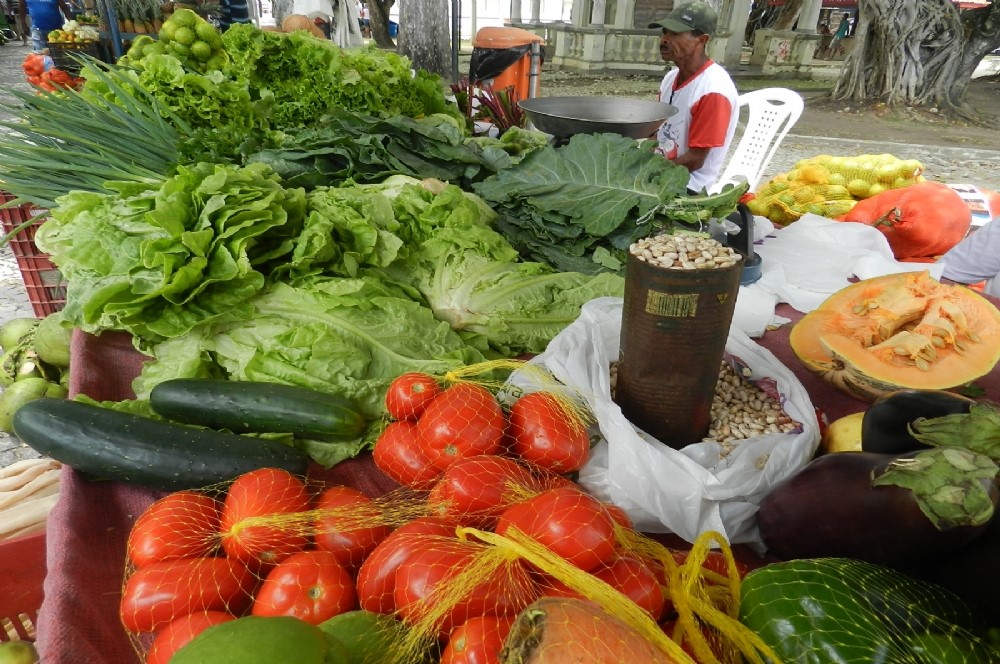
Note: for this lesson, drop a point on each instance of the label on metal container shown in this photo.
(673, 305)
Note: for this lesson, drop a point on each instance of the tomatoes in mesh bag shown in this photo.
(409, 395)
(399, 453)
(349, 525)
(159, 593)
(478, 640)
(568, 522)
(476, 489)
(376, 576)
(309, 585)
(433, 579)
(184, 524)
(180, 632)
(464, 420)
(268, 492)
(547, 433)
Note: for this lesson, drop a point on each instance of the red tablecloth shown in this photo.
(88, 527)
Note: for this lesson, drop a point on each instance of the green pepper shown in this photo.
(836, 611)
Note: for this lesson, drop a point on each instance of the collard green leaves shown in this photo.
(579, 206)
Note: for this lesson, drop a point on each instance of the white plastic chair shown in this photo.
(771, 112)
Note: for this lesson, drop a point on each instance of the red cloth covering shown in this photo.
(88, 528)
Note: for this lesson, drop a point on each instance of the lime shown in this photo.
(201, 50)
(206, 31)
(184, 18)
(166, 33)
(181, 51)
(185, 36)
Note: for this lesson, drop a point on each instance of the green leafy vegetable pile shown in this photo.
(578, 207)
(346, 144)
(308, 77)
(223, 272)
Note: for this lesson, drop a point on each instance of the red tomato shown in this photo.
(179, 633)
(465, 420)
(376, 576)
(159, 593)
(350, 525)
(568, 522)
(547, 434)
(635, 580)
(399, 453)
(422, 581)
(309, 585)
(263, 493)
(184, 524)
(409, 394)
(477, 489)
(477, 641)
(618, 515)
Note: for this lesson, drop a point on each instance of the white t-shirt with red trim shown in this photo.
(707, 110)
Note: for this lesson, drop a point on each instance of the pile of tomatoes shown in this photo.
(46, 77)
(433, 427)
(274, 545)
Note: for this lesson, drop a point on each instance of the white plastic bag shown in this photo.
(662, 489)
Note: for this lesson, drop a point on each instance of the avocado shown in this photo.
(256, 640)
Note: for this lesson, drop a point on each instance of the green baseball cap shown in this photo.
(689, 16)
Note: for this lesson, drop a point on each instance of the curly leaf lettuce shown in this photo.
(156, 262)
(309, 77)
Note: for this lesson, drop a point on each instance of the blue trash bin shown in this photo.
(393, 29)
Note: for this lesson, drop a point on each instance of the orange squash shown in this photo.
(899, 331)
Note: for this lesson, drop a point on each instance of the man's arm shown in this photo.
(693, 159)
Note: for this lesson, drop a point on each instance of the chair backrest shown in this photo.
(771, 112)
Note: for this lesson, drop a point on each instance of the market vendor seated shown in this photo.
(976, 259)
(698, 136)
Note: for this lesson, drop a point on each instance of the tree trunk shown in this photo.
(424, 36)
(789, 15)
(378, 19)
(917, 53)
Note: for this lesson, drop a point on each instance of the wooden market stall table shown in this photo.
(87, 529)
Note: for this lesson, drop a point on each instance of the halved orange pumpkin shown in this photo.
(899, 331)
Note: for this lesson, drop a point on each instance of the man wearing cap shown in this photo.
(698, 135)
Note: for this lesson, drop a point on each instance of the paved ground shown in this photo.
(958, 164)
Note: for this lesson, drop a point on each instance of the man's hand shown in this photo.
(693, 159)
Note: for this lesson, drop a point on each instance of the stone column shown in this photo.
(734, 21)
(597, 13)
(536, 11)
(625, 14)
(515, 11)
(809, 16)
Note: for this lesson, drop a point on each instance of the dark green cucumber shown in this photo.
(257, 407)
(128, 448)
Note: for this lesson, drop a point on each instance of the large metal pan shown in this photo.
(565, 116)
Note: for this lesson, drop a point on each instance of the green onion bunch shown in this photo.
(71, 140)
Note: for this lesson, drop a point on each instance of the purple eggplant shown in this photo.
(884, 427)
(896, 510)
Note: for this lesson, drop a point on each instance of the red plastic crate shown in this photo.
(22, 568)
(42, 280)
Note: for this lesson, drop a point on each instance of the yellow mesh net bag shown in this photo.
(272, 544)
(829, 186)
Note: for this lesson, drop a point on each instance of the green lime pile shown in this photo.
(187, 37)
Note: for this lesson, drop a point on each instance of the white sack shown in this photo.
(662, 489)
